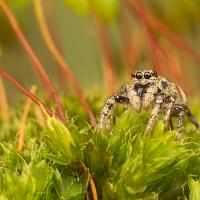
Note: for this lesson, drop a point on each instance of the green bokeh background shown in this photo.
(77, 37)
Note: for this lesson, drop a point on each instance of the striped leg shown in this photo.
(182, 108)
(154, 115)
(108, 109)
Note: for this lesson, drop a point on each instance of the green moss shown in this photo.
(124, 163)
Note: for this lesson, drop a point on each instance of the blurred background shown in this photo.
(104, 40)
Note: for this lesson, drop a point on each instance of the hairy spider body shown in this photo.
(148, 90)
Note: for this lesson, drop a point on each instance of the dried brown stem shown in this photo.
(91, 181)
(4, 107)
(4, 74)
(24, 118)
(39, 116)
(42, 74)
(60, 60)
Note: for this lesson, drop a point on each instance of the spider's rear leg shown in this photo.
(168, 111)
(191, 116)
(178, 108)
(154, 115)
(108, 109)
(181, 116)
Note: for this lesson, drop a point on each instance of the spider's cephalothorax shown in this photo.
(148, 90)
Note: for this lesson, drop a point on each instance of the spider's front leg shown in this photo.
(108, 109)
(155, 113)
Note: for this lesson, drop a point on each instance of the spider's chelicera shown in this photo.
(148, 90)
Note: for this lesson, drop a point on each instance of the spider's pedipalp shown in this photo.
(149, 96)
(135, 100)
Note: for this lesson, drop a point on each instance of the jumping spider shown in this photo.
(147, 90)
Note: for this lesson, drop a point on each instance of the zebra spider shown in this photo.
(148, 90)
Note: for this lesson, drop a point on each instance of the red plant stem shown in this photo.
(126, 47)
(151, 40)
(109, 72)
(150, 37)
(173, 70)
(165, 30)
(29, 94)
(60, 60)
(37, 64)
(172, 37)
(54, 30)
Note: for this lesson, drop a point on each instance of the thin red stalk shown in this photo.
(109, 72)
(60, 60)
(165, 30)
(37, 64)
(125, 31)
(137, 40)
(172, 37)
(172, 68)
(151, 40)
(175, 74)
(4, 74)
(173, 71)
(54, 31)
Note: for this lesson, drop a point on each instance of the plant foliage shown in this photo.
(123, 162)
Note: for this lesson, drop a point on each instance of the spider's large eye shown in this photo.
(147, 75)
(138, 75)
(154, 73)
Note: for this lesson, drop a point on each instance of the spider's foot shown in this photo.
(179, 136)
(179, 133)
(147, 131)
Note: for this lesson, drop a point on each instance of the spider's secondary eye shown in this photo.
(147, 75)
(139, 75)
(133, 75)
(154, 73)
